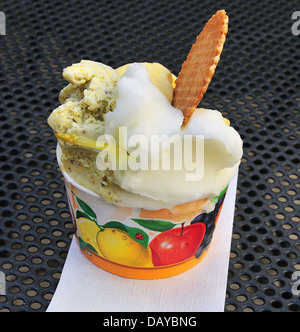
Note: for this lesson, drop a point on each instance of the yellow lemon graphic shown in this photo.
(117, 246)
(88, 230)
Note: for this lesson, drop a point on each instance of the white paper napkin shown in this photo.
(84, 287)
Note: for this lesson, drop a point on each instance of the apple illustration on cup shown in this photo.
(177, 244)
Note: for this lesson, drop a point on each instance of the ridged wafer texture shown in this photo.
(199, 67)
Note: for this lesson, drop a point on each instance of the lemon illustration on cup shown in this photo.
(88, 231)
(113, 241)
(124, 245)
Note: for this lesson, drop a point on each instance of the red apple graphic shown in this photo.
(177, 244)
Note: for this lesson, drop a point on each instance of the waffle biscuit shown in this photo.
(199, 67)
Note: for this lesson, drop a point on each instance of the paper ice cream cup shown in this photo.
(137, 243)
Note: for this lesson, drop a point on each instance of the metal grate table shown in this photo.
(256, 86)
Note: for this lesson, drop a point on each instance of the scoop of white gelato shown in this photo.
(143, 110)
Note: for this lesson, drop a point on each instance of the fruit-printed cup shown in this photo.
(138, 243)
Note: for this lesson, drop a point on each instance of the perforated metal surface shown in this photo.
(256, 86)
